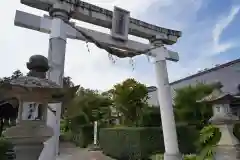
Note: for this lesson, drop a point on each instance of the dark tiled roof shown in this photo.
(207, 71)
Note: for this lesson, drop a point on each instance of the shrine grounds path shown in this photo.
(69, 151)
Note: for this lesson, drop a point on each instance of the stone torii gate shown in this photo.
(121, 24)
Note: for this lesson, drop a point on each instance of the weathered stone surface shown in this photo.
(32, 82)
(227, 152)
(28, 138)
(28, 132)
(173, 156)
(30, 151)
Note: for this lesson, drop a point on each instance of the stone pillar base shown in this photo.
(227, 152)
(173, 156)
(28, 151)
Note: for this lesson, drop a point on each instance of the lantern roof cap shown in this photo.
(35, 87)
(219, 97)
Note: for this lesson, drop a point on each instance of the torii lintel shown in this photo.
(43, 24)
(93, 14)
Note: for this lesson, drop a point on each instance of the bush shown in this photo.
(236, 131)
(151, 117)
(126, 143)
(66, 136)
(5, 146)
(83, 136)
(140, 143)
(187, 138)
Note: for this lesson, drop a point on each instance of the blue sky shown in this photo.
(210, 33)
(210, 36)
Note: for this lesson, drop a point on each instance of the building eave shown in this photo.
(207, 71)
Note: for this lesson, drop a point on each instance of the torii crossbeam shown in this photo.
(121, 24)
(87, 12)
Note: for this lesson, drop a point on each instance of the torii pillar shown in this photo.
(160, 56)
(56, 57)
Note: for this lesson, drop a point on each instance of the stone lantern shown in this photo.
(228, 146)
(29, 136)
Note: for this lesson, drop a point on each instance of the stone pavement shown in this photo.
(70, 152)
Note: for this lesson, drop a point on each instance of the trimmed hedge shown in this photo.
(140, 143)
(187, 138)
(83, 136)
(6, 150)
(151, 118)
(236, 131)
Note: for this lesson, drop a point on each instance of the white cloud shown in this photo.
(92, 70)
(175, 14)
(95, 70)
(201, 43)
(223, 23)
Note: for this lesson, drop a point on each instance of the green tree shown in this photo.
(67, 83)
(130, 99)
(16, 74)
(88, 106)
(187, 109)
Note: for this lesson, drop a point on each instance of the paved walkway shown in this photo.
(70, 152)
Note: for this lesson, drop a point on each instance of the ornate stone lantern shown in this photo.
(28, 136)
(228, 146)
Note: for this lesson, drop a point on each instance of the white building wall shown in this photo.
(153, 98)
(229, 77)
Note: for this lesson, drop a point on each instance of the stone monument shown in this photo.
(228, 146)
(29, 136)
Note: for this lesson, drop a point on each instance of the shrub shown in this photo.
(125, 143)
(140, 143)
(187, 137)
(5, 146)
(209, 137)
(151, 117)
(83, 136)
(236, 131)
(66, 136)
